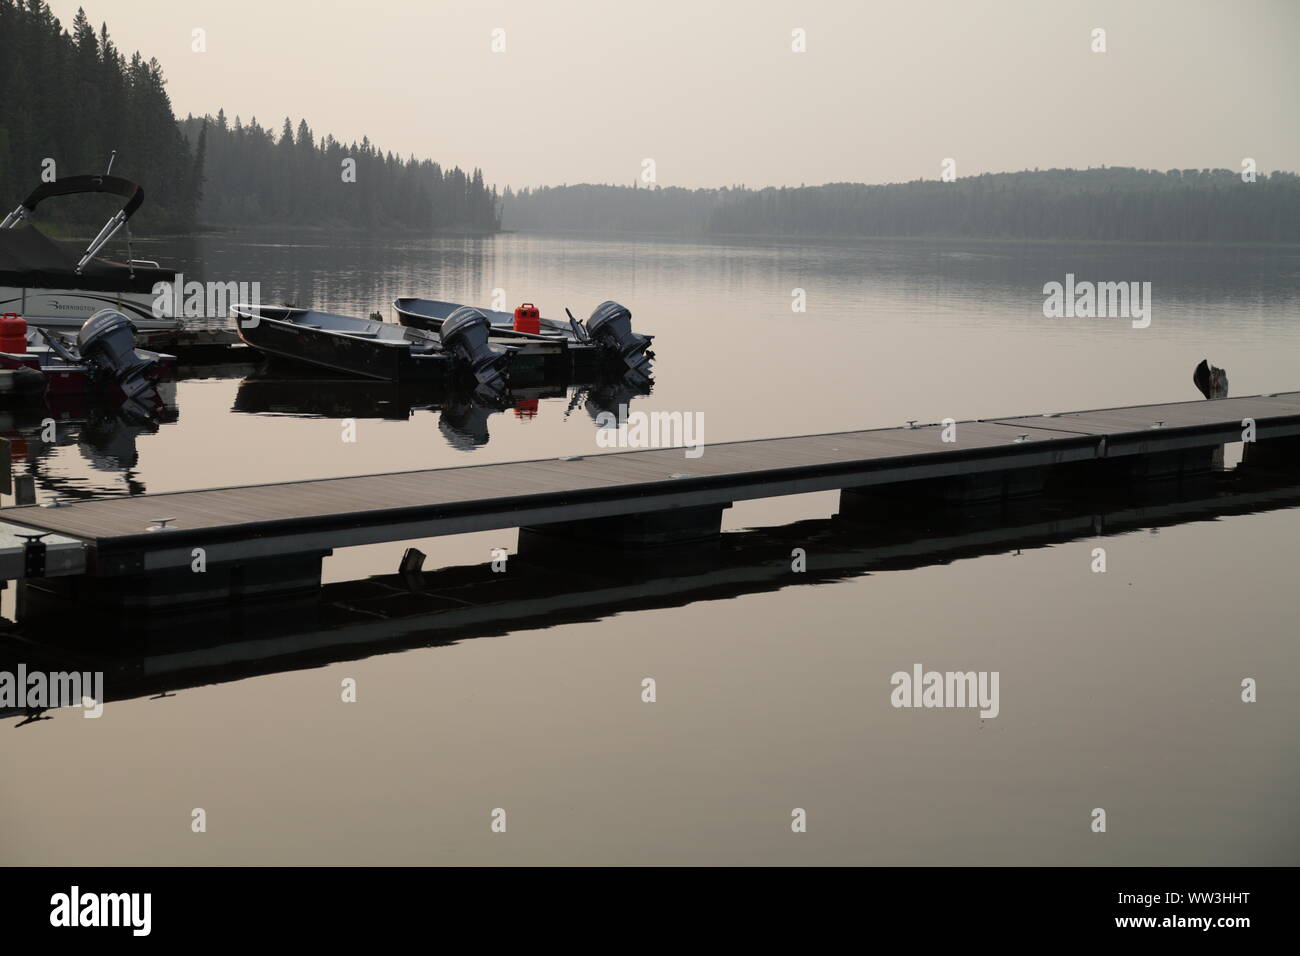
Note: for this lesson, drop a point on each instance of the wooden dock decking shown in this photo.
(265, 521)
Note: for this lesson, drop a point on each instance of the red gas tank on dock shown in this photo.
(528, 318)
(13, 334)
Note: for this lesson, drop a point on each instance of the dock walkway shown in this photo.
(256, 522)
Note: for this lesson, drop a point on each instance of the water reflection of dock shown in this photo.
(396, 612)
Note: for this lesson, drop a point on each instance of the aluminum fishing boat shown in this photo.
(374, 349)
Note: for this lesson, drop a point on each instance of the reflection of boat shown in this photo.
(303, 392)
(464, 423)
(54, 285)
(464, 413)
(606, 338)
(613, 395)
(104, 435)
(374, 349)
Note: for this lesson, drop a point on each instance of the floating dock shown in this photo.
(265, 539)
(204, 338)
(349, 620)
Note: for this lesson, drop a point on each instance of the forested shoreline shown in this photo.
(255, 177)
(71, 97)
(1108, 204)
(68, 95)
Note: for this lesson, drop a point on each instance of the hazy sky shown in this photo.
(713, 93)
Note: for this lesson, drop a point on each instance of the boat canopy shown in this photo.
(31, 259)
(72, 185)
(76, 185)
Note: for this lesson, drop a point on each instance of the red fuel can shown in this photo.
(528, 318)
(13, 334)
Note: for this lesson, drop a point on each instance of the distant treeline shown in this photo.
(1116, 203)
(70, 96)
(589, 208)
(73, 98)
(254, 177)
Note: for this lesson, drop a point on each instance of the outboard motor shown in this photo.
(106, 342)
(610, 326)
(465, 335)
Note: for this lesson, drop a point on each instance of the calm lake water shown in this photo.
(1119, 690)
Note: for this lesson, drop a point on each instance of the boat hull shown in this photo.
(69, 308)
(342, 353)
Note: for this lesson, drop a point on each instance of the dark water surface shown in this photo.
(1118, 690)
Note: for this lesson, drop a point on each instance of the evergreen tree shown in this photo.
(91, 101)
